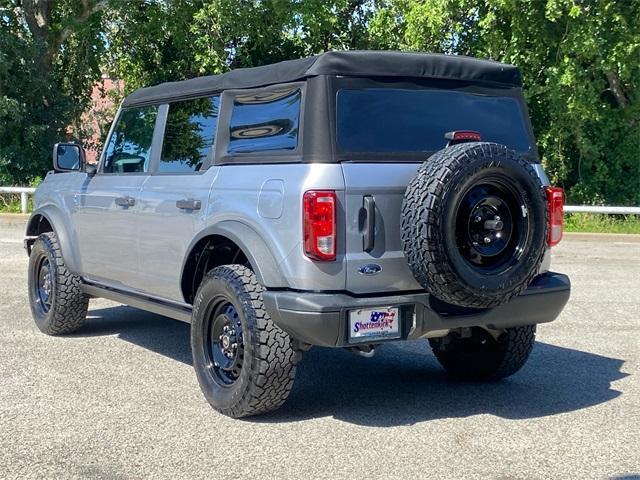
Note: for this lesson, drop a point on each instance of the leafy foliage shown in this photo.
(49, 58)
(579, 60)
(152, 42)
(581, 72)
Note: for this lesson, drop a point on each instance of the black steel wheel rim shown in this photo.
(43, 285)
(491, 227)
(224, 346)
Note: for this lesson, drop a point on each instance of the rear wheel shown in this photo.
(481, 356)
(57, 302)
(244, 362)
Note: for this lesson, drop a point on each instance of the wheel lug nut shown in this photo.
(487, 240)
(496, 218)
(478, 219)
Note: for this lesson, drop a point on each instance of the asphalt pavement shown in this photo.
(119, 399)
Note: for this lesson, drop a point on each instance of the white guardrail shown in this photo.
(24, 195)
(602, 209)
(25, 192)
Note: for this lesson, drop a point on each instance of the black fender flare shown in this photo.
(252, 245)
(63, 231)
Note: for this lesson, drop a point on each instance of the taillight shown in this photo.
(556, 214)
(319, 224)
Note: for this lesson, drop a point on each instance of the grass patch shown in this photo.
(10, 203)
(599, 223)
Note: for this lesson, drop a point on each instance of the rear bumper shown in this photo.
(321, 318)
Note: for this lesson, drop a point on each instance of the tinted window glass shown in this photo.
(189, 134)
(395, 120)
(265, 121)
(129, 148)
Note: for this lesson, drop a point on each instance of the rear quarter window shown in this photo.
(265, 121)
(416, 120)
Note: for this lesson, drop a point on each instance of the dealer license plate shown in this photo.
(380, 323)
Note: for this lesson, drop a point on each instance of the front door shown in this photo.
(108, 203)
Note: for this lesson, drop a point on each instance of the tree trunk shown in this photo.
(616, 89)
(37, 15)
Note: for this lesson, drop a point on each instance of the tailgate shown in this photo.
(373, 194)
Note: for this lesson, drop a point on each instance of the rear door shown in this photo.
(174, 200)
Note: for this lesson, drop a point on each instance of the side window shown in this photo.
(189, 134)
(129, 148)
(265, 121)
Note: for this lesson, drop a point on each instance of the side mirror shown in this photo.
(68, 157)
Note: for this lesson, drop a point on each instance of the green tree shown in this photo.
(49, 57)
(53, 51)
(152, 42)
(581, 69)
(579, 58)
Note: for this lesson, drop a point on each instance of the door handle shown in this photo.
(189, 204)
(125, 201)
(369, 237)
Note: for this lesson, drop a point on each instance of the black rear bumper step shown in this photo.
(321, 319)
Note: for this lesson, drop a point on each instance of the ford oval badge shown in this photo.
(370, 269)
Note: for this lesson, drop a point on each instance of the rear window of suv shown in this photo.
(416, 120)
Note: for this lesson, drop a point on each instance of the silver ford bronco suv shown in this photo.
(344, 200)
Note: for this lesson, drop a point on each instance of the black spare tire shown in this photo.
(475, 224)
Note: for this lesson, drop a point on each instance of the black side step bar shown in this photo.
(178, 311)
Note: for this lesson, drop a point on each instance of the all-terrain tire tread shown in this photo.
(273, 365)
(422, 229)
(70, 304)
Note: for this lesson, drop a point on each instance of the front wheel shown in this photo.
(481, 356)
(244, 362)
(57, 302)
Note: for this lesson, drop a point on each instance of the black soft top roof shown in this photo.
(351, 63)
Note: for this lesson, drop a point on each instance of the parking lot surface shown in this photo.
(119, 399)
